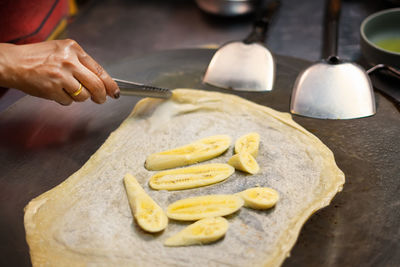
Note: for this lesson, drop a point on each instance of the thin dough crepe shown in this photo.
(86, 220)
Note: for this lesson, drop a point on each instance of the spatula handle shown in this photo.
(260, 26)
(384, 67)
(331, 26)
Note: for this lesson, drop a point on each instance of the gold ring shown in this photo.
(77, 92)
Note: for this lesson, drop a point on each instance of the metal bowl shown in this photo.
(228, 7)
(378, 28)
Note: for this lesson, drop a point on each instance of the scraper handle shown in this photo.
(331, 26)
(260, 26)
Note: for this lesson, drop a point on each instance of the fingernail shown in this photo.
(116, 94)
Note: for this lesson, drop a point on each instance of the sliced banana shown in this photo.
(195, 208)
(259, 197)
(191, 177)
(244, 161)
(248, 143)
(197, 151)
(148, 214)
(201, 232)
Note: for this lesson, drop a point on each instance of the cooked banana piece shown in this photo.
(201, 232)
(195, 208)
(197, 151)
(191, 177)
(244, 161)
(249, 143)
(148, 214)
(259, 197)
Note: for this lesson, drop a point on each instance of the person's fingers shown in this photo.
(76, 90)
(91, 82)
(109, 84)
(63, 98)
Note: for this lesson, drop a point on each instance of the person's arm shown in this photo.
(54, 70)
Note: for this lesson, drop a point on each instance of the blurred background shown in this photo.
(110, 30)
(114, 30)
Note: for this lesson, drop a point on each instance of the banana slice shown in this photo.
(195, 208)
(197, 151)
(201, 232)
(249, 143)
(191, 177)
(244, 161)
(259, 197)
(148, 214)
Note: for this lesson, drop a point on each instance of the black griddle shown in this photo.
(43, 143)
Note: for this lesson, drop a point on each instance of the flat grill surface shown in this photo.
(43, 143)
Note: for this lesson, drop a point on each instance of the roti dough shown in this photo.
(87, 221)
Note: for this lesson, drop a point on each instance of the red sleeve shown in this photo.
(24, 21)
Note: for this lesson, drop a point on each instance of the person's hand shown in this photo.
(55, 70)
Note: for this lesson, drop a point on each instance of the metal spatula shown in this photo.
(245, 65)
(333, 88)
(142, 90)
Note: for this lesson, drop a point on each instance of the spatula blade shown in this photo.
(242, 67)
(333, 91)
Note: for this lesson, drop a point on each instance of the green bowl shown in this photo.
(380, 37)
